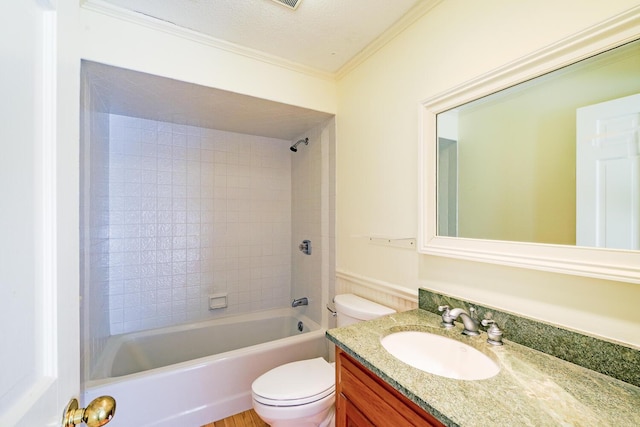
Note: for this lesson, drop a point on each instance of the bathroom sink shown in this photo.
(440, 355)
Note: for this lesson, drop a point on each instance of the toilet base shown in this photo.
(326, 422)
(316, 414)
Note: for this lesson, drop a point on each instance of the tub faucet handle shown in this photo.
(305, 247)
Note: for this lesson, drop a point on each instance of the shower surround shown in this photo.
(194, 211)
(172, 211)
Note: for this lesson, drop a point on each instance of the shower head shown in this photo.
(294, 146)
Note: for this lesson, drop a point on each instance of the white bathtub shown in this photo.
(193, 374)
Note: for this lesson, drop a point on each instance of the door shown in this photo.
(447, 192)
(608, 174)
(39, 329)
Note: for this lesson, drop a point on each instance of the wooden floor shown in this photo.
(244, 419)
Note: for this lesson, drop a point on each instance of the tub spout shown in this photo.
(300, 301)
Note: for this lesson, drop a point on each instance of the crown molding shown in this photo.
(108, 9)
(408, 19)
(419, 10)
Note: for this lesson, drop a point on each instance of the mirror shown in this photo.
(507, 164)
(505, 177)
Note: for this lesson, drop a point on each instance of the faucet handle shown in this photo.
(447, 319)
(494, 332)
(473, 313)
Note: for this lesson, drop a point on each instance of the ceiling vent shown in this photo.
(291, 4)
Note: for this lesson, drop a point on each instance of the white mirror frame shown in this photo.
(611, 264)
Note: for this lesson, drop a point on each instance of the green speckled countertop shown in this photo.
(531, 389)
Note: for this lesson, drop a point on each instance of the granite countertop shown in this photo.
(531, 389)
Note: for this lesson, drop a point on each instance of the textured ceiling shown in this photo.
(321, 34)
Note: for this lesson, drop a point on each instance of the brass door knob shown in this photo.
(98, 413)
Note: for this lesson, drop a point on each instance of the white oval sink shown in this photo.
(440, 355)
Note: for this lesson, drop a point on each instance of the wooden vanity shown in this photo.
(364, 400)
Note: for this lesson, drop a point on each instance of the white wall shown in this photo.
(172, 213)
(378, 137)
(193, 212)
(94, 227)
(313, 218)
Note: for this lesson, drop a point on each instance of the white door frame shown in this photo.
(39, 216)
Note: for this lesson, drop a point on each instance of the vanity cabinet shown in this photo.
(365, 400)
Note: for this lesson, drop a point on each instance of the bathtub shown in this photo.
(190, 375)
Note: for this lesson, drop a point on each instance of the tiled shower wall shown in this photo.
(195, 211)
(94, 227)
(313, 216)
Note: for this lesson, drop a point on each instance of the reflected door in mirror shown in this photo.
(608, 174)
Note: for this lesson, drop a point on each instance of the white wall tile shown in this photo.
(182, 202)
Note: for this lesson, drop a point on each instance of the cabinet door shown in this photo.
(348, 414)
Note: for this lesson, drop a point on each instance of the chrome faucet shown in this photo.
(299, 301)
(471, 324)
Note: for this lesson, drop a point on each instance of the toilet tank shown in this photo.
(352, 309)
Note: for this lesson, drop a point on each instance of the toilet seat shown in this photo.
(295, 383)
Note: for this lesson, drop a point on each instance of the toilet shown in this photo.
(302, 393)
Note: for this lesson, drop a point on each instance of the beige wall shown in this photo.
(377, 167)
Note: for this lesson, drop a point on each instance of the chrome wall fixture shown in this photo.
(294, 146)
(305, 247)
(300, 301)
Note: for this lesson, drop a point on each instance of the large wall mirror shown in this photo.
(537, 164)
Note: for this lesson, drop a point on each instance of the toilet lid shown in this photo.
(295, 383)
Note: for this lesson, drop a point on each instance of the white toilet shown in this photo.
(302, 394)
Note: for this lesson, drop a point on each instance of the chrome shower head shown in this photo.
(294, 146)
